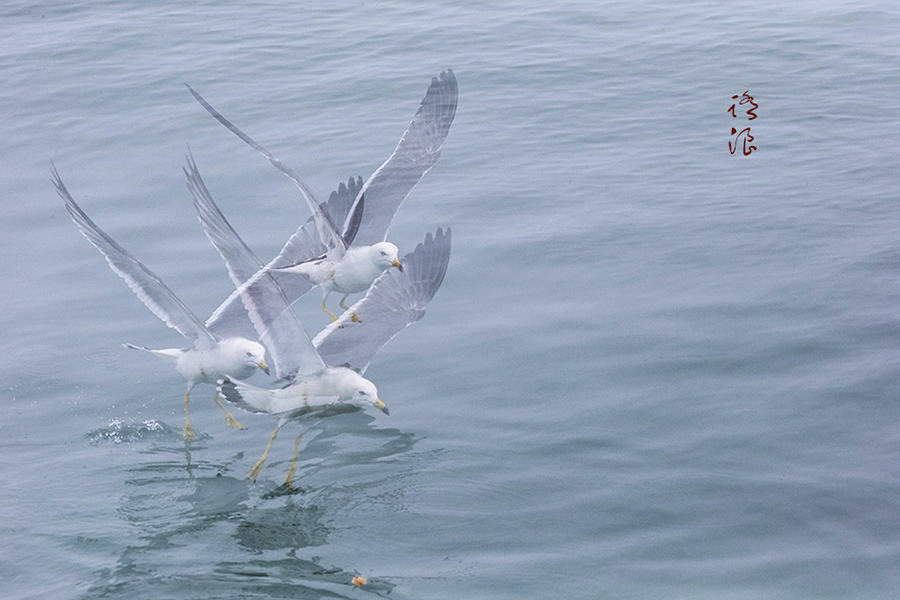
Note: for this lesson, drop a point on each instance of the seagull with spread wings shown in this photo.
(211, 357)
(396, 300)
(348, 259)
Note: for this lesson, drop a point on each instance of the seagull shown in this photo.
(390, 305)
(364, 210)
(342, 268)
(211, 357)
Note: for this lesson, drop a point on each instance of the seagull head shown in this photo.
(385, 256)
(254, 355)
(365, 393)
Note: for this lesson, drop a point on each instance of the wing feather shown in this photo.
(418, 151)
(149, 288)
(327, 233)
(266, 304)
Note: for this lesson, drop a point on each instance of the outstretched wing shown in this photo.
(327, 233)
(155, 294)
(267, 306)
(231, 316)
(396, 300)
(418, 150)
(241, 262)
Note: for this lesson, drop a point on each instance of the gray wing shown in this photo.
(327, 231)
(231, 316)
(149, 288)
(418, 150)
(267, 306)
(230, 392)
(394, 301)
(242, 263)
(305, 244)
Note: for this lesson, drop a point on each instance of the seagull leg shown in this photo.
(188, 430)
(353, 316)
(333, 316)
(289, 479)
(254, 472)
(229, 418)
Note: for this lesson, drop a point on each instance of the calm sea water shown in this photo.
(655, 369)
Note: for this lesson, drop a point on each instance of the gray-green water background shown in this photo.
(655, 369)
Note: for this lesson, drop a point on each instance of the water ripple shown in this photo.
(120, 432)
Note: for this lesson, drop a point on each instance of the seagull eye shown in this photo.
(249, 353)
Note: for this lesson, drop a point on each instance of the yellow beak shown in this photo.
(397, 264)
(380, 406)
(262, 365)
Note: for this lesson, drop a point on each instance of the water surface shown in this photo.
(654, 369)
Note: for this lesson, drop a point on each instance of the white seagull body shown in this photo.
(211, 356)
(353, 272)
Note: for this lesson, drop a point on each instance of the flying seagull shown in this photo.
(341, 269)
(364, 210)
(211, 356)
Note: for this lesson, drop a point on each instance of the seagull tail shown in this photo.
(169, 355)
